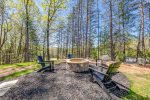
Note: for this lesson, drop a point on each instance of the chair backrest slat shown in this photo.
(113, 68)
(41, 61)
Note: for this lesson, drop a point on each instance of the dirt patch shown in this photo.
(8, 71)
(134, 68)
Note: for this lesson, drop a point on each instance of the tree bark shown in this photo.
(124, 36)
(149, 29)
(20, 41)
(142, 29)
(111, 34)
(98, 31)
(47, 35)
(87, 26)
(26, 54)
(141, 43)
(2, 34)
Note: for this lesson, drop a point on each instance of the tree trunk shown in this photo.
(98, 31)
(78, 31)
(119, 29)
(142, 29)
(141, 43)
(111, 35)
(20, 42)
(124, 36)
(149, 29)
(26, 55)
(87, 26)
(47, 35)
(2, 36)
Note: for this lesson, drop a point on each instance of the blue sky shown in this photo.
(39, 3)
(69, 4)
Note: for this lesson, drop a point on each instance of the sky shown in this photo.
(38, 3)
(65, 12)
(70, 4)
(62, 13)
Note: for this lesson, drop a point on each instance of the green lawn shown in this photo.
(17, 65)
(34, 67)
(16, 74)
(140, 82)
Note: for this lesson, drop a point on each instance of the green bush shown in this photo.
(120, 57)
(148, 56)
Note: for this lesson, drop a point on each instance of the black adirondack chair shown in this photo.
(104, 78)
(43, 63)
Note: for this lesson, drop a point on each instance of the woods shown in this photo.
(84, 28)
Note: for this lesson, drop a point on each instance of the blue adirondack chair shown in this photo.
(43, 63)
(69, 56)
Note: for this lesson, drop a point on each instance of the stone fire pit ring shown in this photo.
(78, 64)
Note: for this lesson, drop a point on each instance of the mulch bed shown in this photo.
(63, 84)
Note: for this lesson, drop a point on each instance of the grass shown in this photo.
(140, 82)
(139, 78)
(17, 65)
(16, 74)
(19, 73)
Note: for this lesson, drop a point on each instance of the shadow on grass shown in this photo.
(16, 74)
(134, 96)
(131, 95)
(19, 65)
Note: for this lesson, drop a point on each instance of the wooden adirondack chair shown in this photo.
(104, 78)
(43, 63)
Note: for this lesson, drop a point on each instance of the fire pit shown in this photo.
(78, 64)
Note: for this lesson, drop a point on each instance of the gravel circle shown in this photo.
(63, 84)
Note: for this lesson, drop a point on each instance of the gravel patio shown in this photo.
(63, 84)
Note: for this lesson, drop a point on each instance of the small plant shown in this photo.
(148, 57)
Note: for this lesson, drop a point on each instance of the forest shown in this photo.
(84, 28)
(75, 49)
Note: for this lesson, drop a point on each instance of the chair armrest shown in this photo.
(103, 67)
(97, 71)
(45, 62)
(48, 61)
(41, 62)
(97, 60)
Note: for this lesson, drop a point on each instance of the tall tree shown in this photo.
(111, 31)
(3, 31)
(51, 7)
(98, 27)
(141, 43)
(26, 53)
